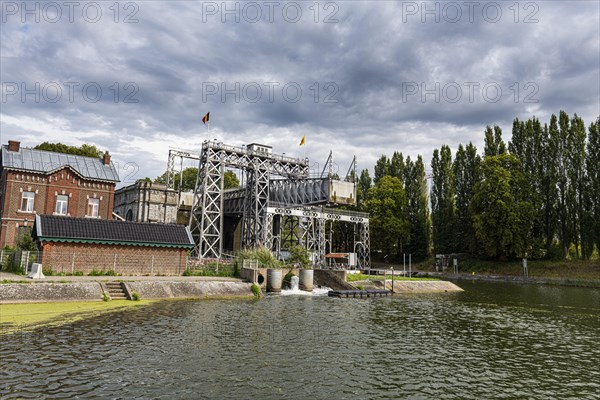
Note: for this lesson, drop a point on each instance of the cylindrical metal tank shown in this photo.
(306, 280)
(274, 279)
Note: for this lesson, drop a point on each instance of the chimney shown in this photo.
(106, 158)
(13, 145)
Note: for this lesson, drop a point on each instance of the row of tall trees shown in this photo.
(537, 196)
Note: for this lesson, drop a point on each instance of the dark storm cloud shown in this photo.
(361, 78)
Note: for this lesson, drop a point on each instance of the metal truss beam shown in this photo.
(306, 226)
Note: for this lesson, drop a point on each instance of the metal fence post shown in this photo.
(25, 261)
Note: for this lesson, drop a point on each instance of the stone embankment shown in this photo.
(423, 287)
(146, 289)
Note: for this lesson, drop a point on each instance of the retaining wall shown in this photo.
(92, 291)
(48, 292)
(198, 289)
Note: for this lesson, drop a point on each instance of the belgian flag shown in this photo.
(303, 140)
(206, 118)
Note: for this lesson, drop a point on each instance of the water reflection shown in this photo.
(491, 341)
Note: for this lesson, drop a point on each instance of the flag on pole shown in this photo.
(302, 141)
(206, 117)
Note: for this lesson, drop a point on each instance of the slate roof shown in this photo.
(51, 228)
(27, 159)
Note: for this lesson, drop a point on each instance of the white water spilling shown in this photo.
(295, 291)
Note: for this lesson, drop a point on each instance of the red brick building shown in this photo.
(36, 182)
(80, 245)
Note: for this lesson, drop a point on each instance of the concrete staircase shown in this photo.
(116, 291)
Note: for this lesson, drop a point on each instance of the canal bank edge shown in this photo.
(94, 291)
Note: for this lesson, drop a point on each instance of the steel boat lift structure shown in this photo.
(280, 204)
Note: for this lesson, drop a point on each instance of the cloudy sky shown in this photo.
(358, 78)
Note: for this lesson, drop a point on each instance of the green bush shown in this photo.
(8, 264)
(299, 255)
(135, 296)
(256, 291)
(26, 242)
(98, 272)
(264, 256)
(105, 296)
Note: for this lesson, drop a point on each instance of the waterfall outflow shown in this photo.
(295, 282)
(295, 291)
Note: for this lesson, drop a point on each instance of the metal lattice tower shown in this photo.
(257, 162)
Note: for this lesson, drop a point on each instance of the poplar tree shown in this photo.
(593, 191)
(364, 184)
(577, 182)
(548, 185)
(397, 166)
(494, 145)
(382, 168)
(418, 209)
(466, 175)
(558, 137)
(442, 201)
(526, 145)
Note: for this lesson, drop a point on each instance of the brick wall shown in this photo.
(125, 260)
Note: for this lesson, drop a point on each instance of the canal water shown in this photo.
(492, 341)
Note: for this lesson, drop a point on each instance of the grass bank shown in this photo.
(550, 269)
(25, 316)
(567, 269)
(365, 277)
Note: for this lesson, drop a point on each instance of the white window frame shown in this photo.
(30, 201)
(93, 208)
(62, 200)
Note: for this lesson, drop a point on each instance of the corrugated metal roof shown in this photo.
(27, 159)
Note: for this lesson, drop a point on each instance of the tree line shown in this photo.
(537, 197)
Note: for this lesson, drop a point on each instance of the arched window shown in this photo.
(129, 216)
